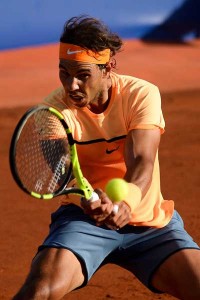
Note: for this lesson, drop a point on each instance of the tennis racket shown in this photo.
(43, 156)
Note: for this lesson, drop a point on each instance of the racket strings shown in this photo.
(42, 153)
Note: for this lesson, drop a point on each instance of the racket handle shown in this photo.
(94, 197)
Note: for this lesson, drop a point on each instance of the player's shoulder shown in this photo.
(131, 82)
(55, 98)
(57, 94)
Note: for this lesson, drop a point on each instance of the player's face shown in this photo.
(84, 83)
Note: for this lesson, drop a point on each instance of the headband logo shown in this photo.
(70, 52)
(78, 53)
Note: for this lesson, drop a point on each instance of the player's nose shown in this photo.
(72, 84)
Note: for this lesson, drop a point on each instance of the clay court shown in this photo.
(27, 76)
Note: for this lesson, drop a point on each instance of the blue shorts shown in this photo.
(141, 250)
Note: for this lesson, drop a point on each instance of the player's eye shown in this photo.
(63, 73)
(83, 76)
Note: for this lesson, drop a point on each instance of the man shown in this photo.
(117, 122)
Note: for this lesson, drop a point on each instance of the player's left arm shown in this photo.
(140, 151)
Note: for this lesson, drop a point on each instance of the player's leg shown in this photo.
(179, 275)
(54, 273)
(163, 259)
(56, 270)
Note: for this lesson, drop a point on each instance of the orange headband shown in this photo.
(73, 52)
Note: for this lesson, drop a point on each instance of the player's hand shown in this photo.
(98, 210)
(104, 212)
(120, 216)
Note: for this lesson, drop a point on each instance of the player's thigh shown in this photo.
(179, 275)
(58, 268)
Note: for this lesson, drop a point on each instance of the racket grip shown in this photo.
(94, 197)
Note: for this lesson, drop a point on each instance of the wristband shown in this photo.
(134, 196)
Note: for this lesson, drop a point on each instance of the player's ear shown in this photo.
(108, 66)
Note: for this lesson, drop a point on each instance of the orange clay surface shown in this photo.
(28, 75)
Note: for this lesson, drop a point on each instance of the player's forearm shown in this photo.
(140, 177)
(140, 174)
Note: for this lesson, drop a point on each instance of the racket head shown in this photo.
(40, 158)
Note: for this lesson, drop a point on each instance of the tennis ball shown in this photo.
(117, 189)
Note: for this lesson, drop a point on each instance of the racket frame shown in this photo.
(83, 189)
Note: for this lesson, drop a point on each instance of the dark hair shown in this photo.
(90, 33)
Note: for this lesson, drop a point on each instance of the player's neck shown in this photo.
(102, 102)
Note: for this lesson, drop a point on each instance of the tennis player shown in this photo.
(117, 122)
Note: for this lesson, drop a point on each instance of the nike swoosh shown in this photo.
(112, 150)
(69, 52)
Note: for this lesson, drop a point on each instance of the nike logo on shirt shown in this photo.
(111, 150)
